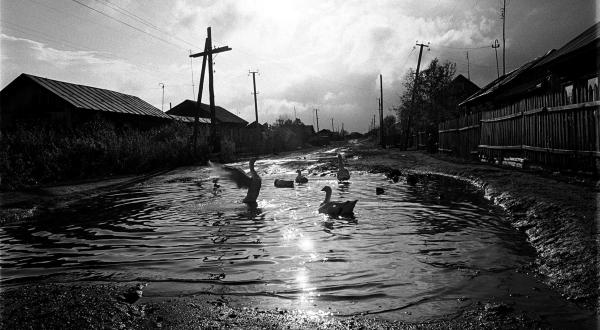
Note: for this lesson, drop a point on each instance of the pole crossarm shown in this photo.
(212, 51)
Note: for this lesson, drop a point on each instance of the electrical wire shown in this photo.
(141, 20)
(127, 24)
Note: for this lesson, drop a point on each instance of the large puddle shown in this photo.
(414, 252)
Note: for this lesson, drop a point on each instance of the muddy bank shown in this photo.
(101, 306)
(558, 214)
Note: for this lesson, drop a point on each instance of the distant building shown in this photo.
(459, 89)
(30, 98)
(229, 126)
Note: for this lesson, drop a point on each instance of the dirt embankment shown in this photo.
(101, 306)
(558, 213)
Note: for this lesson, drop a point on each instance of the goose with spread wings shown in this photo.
(243, 180)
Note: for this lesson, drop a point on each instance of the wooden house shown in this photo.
(30, 98)
(546, 111)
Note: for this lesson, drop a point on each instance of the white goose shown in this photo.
(300, 178)
(342, 173)
(333, 208)
(242, 180)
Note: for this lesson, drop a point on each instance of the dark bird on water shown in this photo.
(284, 183)
(334, 208)
(379, 190)
(342, 173)
(300, 178)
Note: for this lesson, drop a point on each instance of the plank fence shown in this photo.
(554, 130)
(460, 136)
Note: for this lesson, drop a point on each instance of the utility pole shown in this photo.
(332, 129)
(468, 67)
(503, 37)
(317, 116)
(162, 105)
(207, 56)
(381, 128)
(192, 69)
(414, 92)
(495, 46)
(254, 83)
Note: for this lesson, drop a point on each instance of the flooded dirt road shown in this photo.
(416, 252)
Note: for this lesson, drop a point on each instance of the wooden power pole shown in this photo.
(207, 56)
(414, 92)
(254, 83)
(317, 116)
(495, 45)
(381, 128)
(503, 37)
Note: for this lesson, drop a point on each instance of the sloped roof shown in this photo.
(460, 79)
(502, 82)
(92, 98)
(188, 107)
(587, 37)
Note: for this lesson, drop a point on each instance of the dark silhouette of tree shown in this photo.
(430, 102)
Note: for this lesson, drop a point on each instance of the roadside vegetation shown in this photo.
(41, 154)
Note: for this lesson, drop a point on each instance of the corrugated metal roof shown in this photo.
(92, 98)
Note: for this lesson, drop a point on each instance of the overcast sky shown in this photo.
(310, 54)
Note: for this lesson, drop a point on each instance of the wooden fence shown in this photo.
(555, 130)
(460, 136)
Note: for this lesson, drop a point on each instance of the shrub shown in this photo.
(40, 154)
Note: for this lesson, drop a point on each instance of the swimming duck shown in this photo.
(300, 178)
(335, 208)
(284, 183)
(242, 180)
(342, 173)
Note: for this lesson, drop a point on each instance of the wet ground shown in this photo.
(416, 253)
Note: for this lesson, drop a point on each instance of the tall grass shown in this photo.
(40, 154)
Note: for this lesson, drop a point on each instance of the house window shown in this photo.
(569, 94)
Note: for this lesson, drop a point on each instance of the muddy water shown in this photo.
(414, 252)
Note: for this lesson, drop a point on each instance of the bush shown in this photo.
(39, 154)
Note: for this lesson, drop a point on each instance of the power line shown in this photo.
(463, 48)
(125, 23)
(140, 19)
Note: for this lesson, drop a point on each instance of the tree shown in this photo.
(429, 100)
